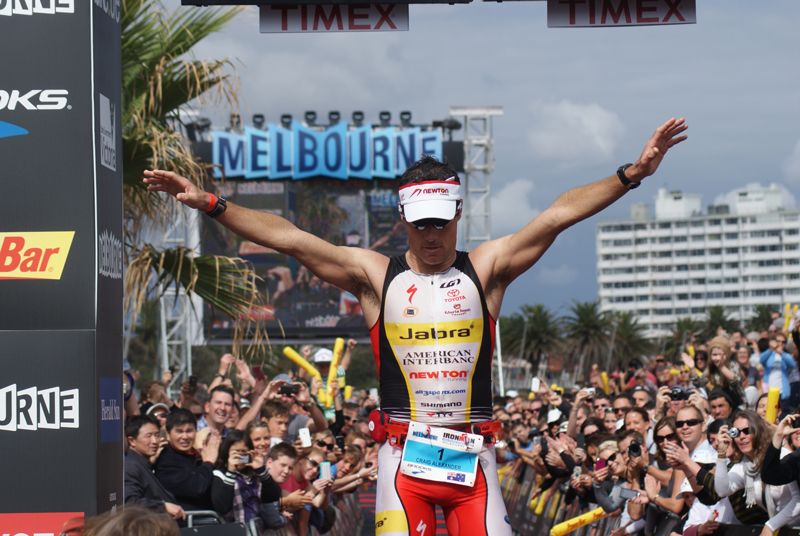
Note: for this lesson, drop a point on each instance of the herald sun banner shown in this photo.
(337, 152)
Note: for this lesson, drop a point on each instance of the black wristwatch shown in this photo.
(219, 207)
(627, 183)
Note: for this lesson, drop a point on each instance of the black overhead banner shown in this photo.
(60, 261)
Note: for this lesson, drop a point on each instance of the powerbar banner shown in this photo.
(364, 152)
(60, 263)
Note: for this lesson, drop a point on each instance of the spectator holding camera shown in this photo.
(778, 365)
(750, 436)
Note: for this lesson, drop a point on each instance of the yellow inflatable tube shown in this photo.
(604, 379)
(575, 523)
(300, 361)
(773, 404)
(338, 348)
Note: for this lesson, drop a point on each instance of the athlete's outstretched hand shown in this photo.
(665, 136)
(179, 187)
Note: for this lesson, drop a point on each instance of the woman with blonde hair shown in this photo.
(751, 436)
(723, 373)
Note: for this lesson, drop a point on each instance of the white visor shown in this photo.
(430, 199)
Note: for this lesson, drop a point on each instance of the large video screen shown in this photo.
(352, 213)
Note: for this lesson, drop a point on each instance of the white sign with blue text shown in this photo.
(336, 152)
(441, 454)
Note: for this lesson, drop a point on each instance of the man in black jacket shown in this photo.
(183, 471)
(141, 485)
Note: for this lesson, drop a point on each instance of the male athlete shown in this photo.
(431, 314)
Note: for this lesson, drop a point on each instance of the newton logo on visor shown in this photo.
(7, 130)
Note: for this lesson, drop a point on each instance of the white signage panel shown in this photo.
(594, 13)
(327, 18)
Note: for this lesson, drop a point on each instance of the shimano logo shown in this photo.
(36, 7)
(34, 99)
(34, 408)
(110, 255)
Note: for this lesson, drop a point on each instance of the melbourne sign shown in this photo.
(592, 13)
(337, 152)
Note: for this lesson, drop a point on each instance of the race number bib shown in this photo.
(441, 454)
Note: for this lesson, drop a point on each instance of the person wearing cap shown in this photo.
(431, 312)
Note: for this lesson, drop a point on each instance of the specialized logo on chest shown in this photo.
(434, 324)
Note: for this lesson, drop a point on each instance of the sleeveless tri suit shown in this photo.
(433, 346)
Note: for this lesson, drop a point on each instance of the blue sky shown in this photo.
(578, 102)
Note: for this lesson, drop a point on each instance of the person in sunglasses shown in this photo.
(432, 313)
(750, 437)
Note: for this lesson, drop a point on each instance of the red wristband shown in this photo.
(212, 202)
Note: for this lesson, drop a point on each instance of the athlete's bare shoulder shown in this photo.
(369, 288)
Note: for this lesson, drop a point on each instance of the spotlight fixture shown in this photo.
(385, 118)
(405, 118)
(258, 120)
(286, 120)
(358, 118)
(334, 117)
(311, 118)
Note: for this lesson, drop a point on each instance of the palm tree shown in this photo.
(685, 331)
(716, 318)
(629, 340)
(532, 334)
(159, 78)
(762, 317)
(587, 332)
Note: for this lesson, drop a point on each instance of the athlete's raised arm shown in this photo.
(353, 269)
(506, 258)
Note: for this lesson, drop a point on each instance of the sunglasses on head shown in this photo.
(314, 463)
(671, 437)
(436, 223)
(690, 422)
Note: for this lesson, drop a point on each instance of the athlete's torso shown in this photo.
(433, 345)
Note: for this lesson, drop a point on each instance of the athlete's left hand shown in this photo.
(665, 136)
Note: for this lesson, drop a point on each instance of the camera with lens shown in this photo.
(289, 389)
(678, 393)
(733, 432)
(245, 458)
(533, 433)
(634, 449)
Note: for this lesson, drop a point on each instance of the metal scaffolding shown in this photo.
(478, 167)
(476, 216)
(180, 315)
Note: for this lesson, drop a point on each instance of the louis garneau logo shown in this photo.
(36, 7)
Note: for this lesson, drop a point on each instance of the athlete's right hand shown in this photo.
(181, 188)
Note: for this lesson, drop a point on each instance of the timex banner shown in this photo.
(61, 257)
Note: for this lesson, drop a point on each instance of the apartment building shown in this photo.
(678, 260)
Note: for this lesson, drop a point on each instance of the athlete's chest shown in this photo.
(422, 302)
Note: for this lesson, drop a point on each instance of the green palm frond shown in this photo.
(227, 284)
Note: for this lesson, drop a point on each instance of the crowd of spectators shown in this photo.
(668, 446)
(261, 452)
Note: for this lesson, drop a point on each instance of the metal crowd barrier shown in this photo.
(533, 511)
(349, 519)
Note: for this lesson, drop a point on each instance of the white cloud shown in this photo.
(512, 208)
(571, 132)
(791, 167)
(559, 276)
